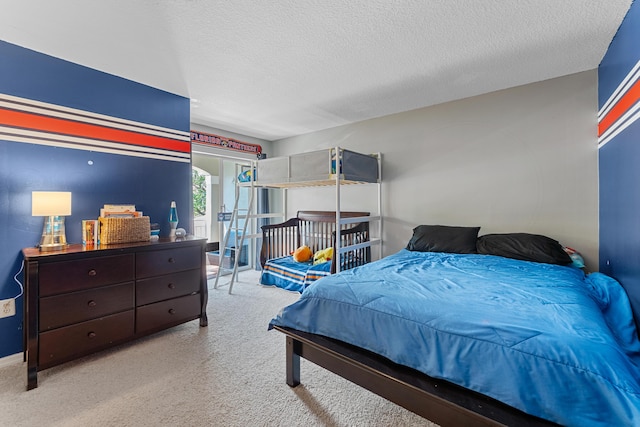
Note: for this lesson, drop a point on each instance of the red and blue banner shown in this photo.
(224, 142)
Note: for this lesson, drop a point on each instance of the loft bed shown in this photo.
(502, 329)
(318, 168)
(317, 231)
(326, 167)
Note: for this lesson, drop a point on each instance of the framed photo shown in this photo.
(90, 232)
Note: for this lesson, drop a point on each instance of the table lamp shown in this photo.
(54, 206)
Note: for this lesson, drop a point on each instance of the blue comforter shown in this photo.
(543, 338)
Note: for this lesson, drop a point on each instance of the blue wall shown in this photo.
(619, 161)
(94, 177)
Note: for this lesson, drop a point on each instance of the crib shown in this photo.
(316, 229)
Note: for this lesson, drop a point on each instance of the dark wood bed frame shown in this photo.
(436, 400)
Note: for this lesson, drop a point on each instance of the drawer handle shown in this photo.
(171, 286)
(91, 335)
(172, 311)
(92, 303)
(171, 260)
(92, 272)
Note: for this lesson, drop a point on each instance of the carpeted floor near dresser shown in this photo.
(231, 373)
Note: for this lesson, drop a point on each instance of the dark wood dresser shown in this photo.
(82, 300)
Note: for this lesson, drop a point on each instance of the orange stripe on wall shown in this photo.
(68, 127)
(631, 97)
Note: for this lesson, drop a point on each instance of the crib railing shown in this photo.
(316, 229)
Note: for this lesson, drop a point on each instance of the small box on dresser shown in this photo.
(81, 300)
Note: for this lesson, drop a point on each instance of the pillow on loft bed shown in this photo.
(525, 247)
(444, 238)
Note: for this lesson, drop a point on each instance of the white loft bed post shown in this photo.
(379, 156)
(336, 255)
(285, 201)
(284, 196)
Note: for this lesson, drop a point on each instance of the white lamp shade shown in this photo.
(46, 203)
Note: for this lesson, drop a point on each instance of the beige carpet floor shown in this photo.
(230, 373)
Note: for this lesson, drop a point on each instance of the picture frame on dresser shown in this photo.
(82, 300)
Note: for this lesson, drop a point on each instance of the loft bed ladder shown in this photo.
(234, 249)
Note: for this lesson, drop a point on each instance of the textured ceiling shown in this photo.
(273, 69)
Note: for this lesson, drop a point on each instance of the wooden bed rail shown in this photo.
(434, 399)
(279, 240)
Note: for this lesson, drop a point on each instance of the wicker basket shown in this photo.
(124, 230)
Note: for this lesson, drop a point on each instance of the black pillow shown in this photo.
(444, 238)
(524, 246)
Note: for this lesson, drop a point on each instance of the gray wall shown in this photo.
(518, 160)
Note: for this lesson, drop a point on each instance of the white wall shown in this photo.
(518, 160)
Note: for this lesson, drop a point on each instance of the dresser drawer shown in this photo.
(160, 288)
(156, 263)
(171, 312)
(62, 310)
(67, 276)
(60, 345)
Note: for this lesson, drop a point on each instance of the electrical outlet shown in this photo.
(7, 308)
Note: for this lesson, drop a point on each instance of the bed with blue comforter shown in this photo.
(546, 339)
